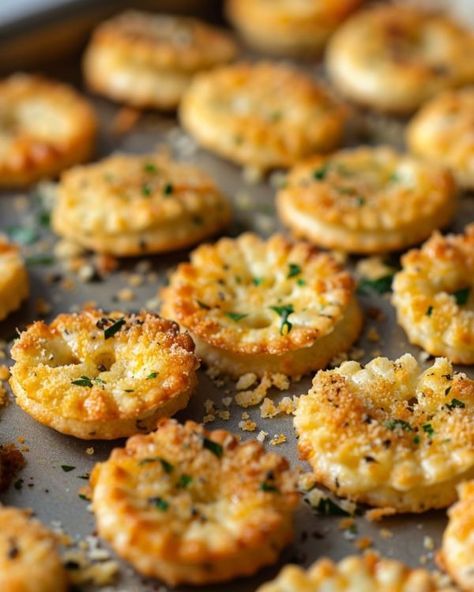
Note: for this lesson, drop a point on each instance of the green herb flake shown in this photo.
(456, 403)
(461, 296)
(257, 281)
(168, 189)
(114, 328)
(320, 174)
(326, 507)
(83, 381)
(203, 305)
(22, 234)
(293, 270)
(159, 503)
(301, 282)
(167, 466)
(39, 260)
(360, 201)
(428, 429)
(149, 167)
(67, 468)
(83, 497)
(236, 316)
(184, 481)
(380, 285)
(152, 375)
(213, 447)
(284, 311)
(268, 487)
(401, 424)
(429, 311)
(146, 190)
(416, 440)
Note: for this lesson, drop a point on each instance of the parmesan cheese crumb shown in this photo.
(261, 436)
(247, 425)
(278, 439)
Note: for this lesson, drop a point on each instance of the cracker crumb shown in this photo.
(223, 414)
(385, 533)
(126, 295)
(428, 543)
(208, 418)
(286, 406)
(373, 335)
(227, 401)
(246, 381)
(261, 436)
(90, 451)
(209, 405)
(363, 543)
(278, 439)
(377, 514)
(247, 398)
(124, 121)
(247, 425)
(3, 395)
(4, 372)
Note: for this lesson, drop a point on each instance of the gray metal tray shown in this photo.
(53, 493)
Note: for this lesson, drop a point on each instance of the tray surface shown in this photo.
(53, 493)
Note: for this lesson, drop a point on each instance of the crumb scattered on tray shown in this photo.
(11, 463)
(377, 514)
(247, 398)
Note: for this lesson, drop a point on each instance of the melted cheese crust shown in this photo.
(14, 285)
(288, 27)
(45, 127)
(103, 376)
(194, 507)
(369, 573)
(263, 115)
(131, 205)
(264, 306)
(434, 296)
(443, 133)
(29, 558)
(457, 553)
(394, 58)
(389, 434)
(148, 60)
(366, 200)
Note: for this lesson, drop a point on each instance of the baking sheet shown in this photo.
(53, 493)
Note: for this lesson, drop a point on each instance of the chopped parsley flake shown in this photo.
(149, 167)
(320, 174)
(83, 381)
(167, 467)
(429, 311)
(257, 281)
(39, 260)
(67, 468)
(146, 190)
(393, 424)
(152, 375)
(159, 503)
(301, 282)
(184, 481)
(113, 329)
(416, 439)
(268, 487)
(456, 403)
(326, 507)
(168, 189)
(380, 285)
(293, 270)
(360, 201)
(461, 296)
(284, 312)
(203, 305)
(213, 447)
(236, 316)
(428, 429)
